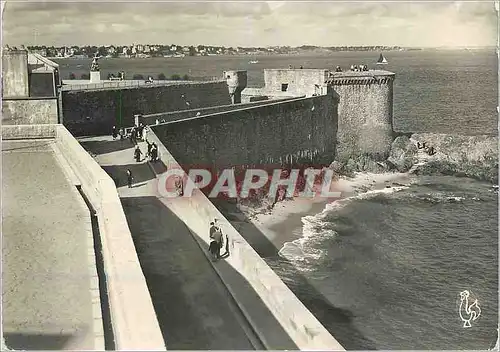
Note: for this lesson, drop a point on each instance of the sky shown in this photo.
(251, 24)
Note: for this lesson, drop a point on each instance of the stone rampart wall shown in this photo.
(300, 130)
(95, 112)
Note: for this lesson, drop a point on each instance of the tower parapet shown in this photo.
(365, 110)
(236, 82)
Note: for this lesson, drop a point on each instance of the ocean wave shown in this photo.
(307, 252)
(440, 198)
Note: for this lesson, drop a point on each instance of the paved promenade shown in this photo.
(47, 301)
(194, 309)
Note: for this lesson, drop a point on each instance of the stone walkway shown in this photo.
(47, 243)
(194, 309)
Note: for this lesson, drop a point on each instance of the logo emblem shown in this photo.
(468, 312)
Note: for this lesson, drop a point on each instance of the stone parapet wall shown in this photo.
(95, 112)
(300, 130)
(300, 325)
(135, 326)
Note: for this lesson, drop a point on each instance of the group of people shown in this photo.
(136, 133)
(357, 68)
(152, 152)
(429, 150)
(115, 133)
(217, 242)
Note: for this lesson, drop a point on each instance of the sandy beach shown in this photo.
(262, 228)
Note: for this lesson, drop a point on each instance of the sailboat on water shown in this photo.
(382, 60)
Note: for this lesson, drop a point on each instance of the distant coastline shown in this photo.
(179, 52)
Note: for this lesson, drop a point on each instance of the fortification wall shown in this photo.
(300, 130)
(296, 320)
(178, 115)
(365, 116)
(27, 111)
(15, 78)
(95, 112)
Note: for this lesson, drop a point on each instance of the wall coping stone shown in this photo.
(272, 103)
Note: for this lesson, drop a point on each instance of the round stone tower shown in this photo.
(236, 82)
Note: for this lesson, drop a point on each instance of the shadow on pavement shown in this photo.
(194, 309)
(24, 341)
(338, 321)
(106, 146)
(118, 173)
(158, 166)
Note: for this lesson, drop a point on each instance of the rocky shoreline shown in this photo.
(456, 155)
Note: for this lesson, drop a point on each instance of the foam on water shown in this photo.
(303, 251)
(388, 255)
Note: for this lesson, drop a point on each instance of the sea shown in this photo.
(385, 269)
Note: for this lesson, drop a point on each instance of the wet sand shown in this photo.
(267, 231)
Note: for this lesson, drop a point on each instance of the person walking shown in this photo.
(149, 149)
(137, 154)
(130, 178)
(154, 152)
(122, 134)
(141, 131)
(216, 235)
(114, 133)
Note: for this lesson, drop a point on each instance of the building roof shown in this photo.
(38, 63)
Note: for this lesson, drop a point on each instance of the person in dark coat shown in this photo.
(130, 178)
(141, 131)
(131, 136)
(114, 133)
(215, 235)
(213, 249)
(149, 148)
(137, 154)
(154, 152)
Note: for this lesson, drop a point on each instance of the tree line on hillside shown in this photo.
(160, 77)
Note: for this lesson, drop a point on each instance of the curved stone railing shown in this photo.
(134, 321)
(298, 323)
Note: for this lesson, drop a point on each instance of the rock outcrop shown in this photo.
(459, 155)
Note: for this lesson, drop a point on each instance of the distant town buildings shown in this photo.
(174, 50)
